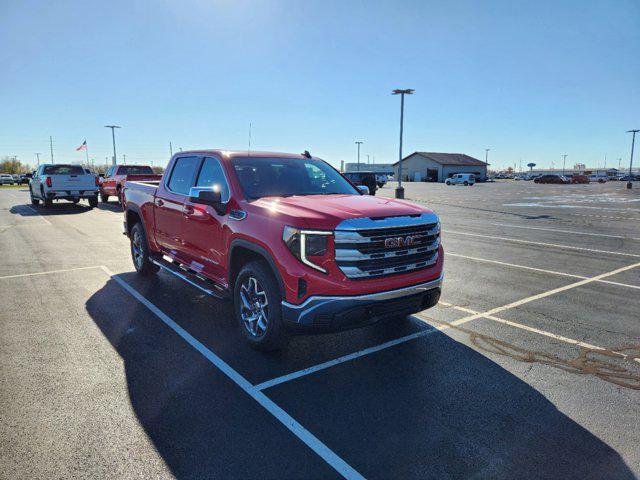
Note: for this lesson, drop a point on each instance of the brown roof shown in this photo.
(449, 158)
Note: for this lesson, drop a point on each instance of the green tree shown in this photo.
(12, 165)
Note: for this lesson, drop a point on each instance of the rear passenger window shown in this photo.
(182, 175)
(212, 174)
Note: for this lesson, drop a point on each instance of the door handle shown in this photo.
(188, 210)
(159, 202)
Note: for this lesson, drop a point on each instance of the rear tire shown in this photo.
(47, 202)
(140, 252)
(93, 202)
(466, 184)
(256, 303)
(104, 198)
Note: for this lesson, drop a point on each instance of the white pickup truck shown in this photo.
(63, 182)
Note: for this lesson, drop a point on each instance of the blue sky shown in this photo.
(530, 80)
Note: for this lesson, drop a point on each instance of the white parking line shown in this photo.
(473, 315)
(535, 330)
(553, 245)
(49, 272)
(36, 212)
(345, 358)
(298, 430)
(573, 232)
(548, 293)
(552, 272)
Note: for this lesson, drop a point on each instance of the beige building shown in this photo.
(437, 167)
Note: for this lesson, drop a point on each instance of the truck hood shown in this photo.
(326, 211)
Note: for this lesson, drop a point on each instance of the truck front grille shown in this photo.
(374, 248)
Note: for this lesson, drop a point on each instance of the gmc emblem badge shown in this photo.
(397, 242)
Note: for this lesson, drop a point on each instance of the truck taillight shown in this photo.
(97, 180)
(49, 182)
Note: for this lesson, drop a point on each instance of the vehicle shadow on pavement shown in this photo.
(200, 422)
(436, 408)
(58, 208)
(110, 207)
(430, 408)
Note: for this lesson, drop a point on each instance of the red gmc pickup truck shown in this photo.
(293, 244)
(116, 176)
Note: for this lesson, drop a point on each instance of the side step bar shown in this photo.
(191, 277)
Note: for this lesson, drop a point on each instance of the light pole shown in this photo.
(402, 93)
(38, 158)
(633, 141)
(486, 155)
(564, 161)
(368, 159)
(113, 137)
(359, 143)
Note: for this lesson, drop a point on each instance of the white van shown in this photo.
(461, 179)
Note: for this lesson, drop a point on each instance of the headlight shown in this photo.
(306, 243)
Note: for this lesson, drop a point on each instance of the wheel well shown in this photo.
(241, 255)
(132, 219)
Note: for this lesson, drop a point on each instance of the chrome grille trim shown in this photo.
(355, 237)
(345, 255)
(355, 272)
(361, 250)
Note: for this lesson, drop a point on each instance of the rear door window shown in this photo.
(182, 175)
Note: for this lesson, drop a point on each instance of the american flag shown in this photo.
(82, 147)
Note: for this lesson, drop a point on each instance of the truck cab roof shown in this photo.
(229, 154)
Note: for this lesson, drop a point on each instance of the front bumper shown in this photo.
(335, 313)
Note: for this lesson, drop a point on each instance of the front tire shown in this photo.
(466, 184)
(34, 200)
(140, 252)
(258, 309)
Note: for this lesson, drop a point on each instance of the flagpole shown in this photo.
(86, 152)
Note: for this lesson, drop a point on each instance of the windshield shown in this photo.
(284, 177)
(63, 170)
(135, 170)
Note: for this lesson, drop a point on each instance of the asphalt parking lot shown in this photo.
(528, 368)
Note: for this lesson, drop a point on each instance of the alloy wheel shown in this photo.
(136, 249)
(254, 307)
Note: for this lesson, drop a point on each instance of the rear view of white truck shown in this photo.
(63, 182)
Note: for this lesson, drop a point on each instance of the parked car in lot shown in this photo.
(115, 177)
(381, 180)
(575, 178)
(25, 179)
(293, 244)
(6, 179)
(598, 178)
(629, 178)
(461, 179)
(551, 178)
(368, 179)
(63, 182)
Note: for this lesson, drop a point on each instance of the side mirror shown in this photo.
(364, 190)
(208, 196)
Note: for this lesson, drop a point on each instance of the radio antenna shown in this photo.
(249, 150)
